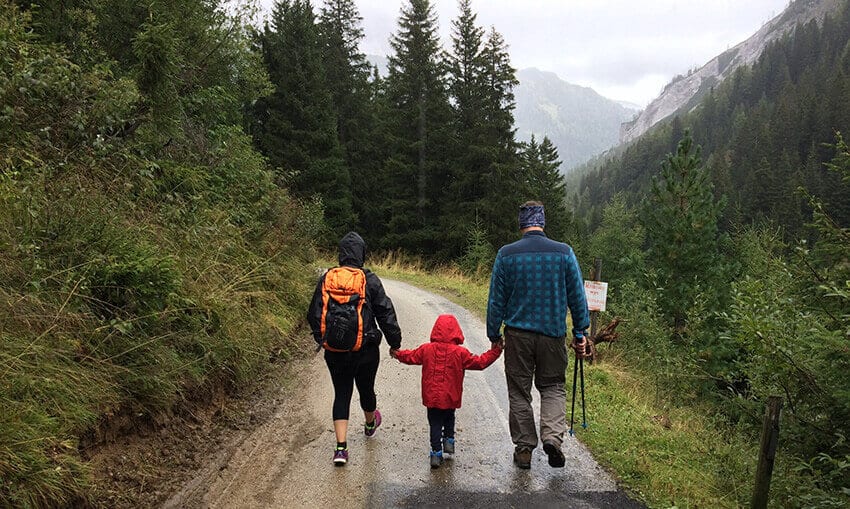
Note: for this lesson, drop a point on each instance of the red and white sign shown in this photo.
(597, 295)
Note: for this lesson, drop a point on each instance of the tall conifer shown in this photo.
(681, 221)
(485, 182)
(295, 126)
(347, 76)
(544, 182)
(471, 155)
(419, 113)
(505, 189)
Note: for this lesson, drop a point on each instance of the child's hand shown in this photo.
(500, 344)
(393, 353)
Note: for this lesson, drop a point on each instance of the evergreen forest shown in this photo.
(419, 161)
(726, 236)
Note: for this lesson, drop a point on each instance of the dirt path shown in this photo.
(287, 461)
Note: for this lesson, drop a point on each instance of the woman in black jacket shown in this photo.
(361, 366)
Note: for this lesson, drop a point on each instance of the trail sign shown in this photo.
(597, 295)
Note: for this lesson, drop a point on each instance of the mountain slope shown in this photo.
(764, 133)
(684, 92)
(578, 120)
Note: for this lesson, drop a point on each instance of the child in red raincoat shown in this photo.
(444, 363)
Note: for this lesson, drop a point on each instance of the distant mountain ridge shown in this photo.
(684, 92)
(579, 121)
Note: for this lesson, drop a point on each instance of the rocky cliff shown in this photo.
(684, 92)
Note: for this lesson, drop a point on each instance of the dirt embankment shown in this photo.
(143, 463)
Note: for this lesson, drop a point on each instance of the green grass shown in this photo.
(664, 454)
(668, 455)
(65, 371)
(116, 309)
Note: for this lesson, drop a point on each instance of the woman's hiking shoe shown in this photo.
(436, 459)
(370, 429)
(340, 456)
(556, 456)
(449, 445)
(522, 458)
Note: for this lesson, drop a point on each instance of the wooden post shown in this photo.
(767, 452)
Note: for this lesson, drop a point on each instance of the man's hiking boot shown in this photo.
(436, 459)
(448, 445)
(340, 456)
(556, 456)
(370, 429)
(522, 458)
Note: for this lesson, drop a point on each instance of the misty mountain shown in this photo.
(579, 121)
(684, 92)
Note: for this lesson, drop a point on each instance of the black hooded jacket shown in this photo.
(378, 311)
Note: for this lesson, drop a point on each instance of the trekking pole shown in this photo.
(573, 411)
(583, 418)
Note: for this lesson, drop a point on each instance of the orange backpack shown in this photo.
(343, 297)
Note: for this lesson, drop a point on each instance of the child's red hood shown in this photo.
(447, 330)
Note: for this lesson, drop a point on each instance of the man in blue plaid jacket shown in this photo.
(534, 281)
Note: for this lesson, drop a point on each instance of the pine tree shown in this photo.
(419, 115)
(486, 181)
(466, 68)
(504, 189)
(471, 154)
(347, 76)
(544, 182)
(346, 69)
(295, 126)
(681, 217)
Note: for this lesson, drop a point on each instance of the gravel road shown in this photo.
(287, 461)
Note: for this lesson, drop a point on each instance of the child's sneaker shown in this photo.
(448, 445)
(340, 456)
(370, 430)
(436, 459)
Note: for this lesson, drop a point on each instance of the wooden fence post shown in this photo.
(767, 452)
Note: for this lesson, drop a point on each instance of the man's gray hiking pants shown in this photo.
(530, 356)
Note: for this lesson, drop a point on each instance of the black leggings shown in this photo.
(442, 422)
(349, 368)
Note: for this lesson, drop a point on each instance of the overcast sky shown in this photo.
(625, 50)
